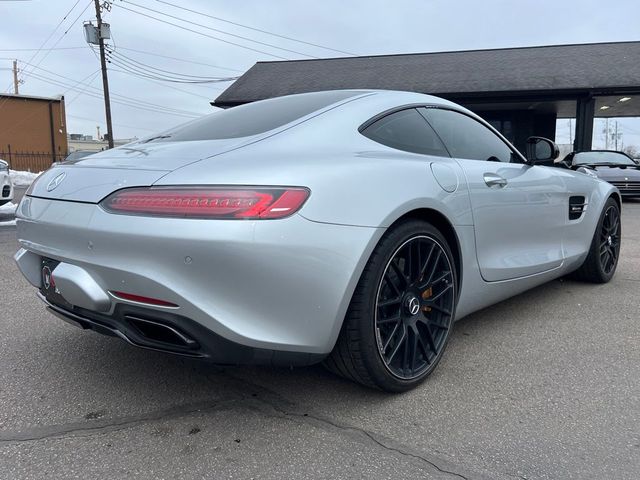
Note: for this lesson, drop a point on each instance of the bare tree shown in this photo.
(632, 151)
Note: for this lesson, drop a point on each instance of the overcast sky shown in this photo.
(359, 27)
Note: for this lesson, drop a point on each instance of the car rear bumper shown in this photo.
(174, 334)
(264, 286)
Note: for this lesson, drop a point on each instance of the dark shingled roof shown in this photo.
(596, 68)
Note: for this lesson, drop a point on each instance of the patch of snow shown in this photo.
(8, 208)
(22, 179)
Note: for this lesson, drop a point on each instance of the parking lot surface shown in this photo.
(544, 385)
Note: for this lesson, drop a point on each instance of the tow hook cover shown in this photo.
(80, 289)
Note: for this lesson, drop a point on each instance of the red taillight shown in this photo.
(208, 202)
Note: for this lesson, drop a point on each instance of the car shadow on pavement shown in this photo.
(116, 365)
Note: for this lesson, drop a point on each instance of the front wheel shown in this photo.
(602, 260)
(401, 314)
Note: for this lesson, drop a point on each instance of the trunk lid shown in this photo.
(89, 185)
(165, 156)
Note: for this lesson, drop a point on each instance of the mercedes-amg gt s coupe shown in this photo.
(350, 227)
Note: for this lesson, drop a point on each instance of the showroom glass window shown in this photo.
(466, 138)
(505, 127)
(406, 130)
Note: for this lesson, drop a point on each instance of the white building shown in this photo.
(78, 142)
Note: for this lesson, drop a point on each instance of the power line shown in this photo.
(200, 33)
(79, 82)
(219, 31)
(132, 60)
(46, 40)
(163, 75)
(256, 29)
(54, 31)
(632, 130)
(96, 91)
(159, 109)
(120, 102)
(164, 81)
(122, 97)
(144, 52)
(150, 78)
(143, 74)
(57, 41)
(116, 124)
(37, 49)
(65, 32)
(94, 75)
(160, 84)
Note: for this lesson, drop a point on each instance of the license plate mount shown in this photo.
(48, 286)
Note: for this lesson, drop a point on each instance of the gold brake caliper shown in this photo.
(425, 296)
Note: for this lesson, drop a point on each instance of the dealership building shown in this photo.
(520, 91)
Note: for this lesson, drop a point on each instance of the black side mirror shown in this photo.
(541, 151)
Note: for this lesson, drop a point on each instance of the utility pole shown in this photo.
(616, 135)
(105, 80)
(15, 77)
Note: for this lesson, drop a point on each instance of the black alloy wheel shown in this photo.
(604, 252)
(610, 239)
(402, 311)
(414, 307)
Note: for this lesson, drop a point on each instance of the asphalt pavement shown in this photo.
(545, 385)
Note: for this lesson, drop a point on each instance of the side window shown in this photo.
(467, 138)
(406, 130)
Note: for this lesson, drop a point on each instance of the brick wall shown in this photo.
(33, 131)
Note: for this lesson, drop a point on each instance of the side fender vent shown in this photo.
(577, 206)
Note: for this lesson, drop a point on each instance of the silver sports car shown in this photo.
(350, 227)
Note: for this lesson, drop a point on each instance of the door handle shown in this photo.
(494, 181)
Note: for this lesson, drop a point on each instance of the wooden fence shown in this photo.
(30, 161)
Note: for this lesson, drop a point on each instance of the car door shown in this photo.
(519, 210)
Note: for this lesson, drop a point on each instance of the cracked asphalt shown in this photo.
(545, 385)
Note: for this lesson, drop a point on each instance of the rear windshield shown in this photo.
(75, 156)
(253, 118)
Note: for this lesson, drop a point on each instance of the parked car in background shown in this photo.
(6, 187)
(614, 167)
(348, 226)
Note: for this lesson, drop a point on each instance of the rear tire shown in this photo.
(602, 260)
(401, 313)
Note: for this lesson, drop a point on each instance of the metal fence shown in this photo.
(30, 161)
